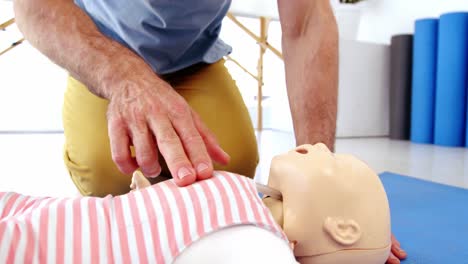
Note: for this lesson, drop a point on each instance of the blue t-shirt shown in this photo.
(168, 34)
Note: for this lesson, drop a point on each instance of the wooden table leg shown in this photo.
(264, 23)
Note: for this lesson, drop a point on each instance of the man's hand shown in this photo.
(148, 114)
(397, 253)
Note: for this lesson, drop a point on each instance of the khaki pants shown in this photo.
(208, 89)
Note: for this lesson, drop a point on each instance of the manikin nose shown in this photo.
(322, 147)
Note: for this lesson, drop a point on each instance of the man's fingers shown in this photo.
(397, 250)
(392, 259)
(145, 151)
(120, 147)
(214, 149)
(171, 148)
(194, 147)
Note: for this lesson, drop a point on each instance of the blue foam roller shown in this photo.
(424, 80)
(450, 110)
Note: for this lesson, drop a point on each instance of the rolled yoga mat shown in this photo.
(400, 86)
(424, 80)
(450, 107)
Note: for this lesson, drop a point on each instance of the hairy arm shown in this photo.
(310, 49)
(66, 35)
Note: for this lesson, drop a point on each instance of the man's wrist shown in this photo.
(123, 70)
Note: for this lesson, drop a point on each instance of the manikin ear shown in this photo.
(343, 231)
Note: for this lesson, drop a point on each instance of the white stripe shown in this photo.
(218, 203)
(146, 225)
(15, 205)
(244, 194)
(68, 229)
(85, 230)
(254, 197)
(115, 236)
(101, 229)
(231, 196)
(207, 225)
(161, 223)
(176, 217)
(52, 231)
(6, 240)
(191, 218)
(130, 228)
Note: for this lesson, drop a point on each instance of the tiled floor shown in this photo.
(32, 163)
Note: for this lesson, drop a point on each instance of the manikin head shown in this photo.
(334, 206)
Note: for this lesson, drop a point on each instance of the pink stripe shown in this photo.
(32, 237)
(266, 213)
(239, 200)
(182, 212)
(260, 204)
(31, 201)
(21, 205)
(154, 230)
(171, 236)
(211, 205)
(224, 200)
(119, 217)
(77, 239)
(2, 229)
(140, 240)
(197, 211)
(60, 235)
(9, 204)
(43, 232)
(94, 231)
(254, 208)
(15, 238)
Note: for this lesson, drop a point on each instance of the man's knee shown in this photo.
(244, 160)
(95, 175)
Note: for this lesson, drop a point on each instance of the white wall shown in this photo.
(383, 18)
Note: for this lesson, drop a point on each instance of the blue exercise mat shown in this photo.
(429, 219)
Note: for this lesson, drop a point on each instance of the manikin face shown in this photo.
(331, 202)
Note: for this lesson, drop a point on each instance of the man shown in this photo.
(148, 87)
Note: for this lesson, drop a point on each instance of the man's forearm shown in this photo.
(67, 36)
(310, 48)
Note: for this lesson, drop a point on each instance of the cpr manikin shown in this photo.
(333, 207)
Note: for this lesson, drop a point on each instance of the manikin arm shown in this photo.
(139, 181)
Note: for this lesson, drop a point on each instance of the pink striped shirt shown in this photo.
(153, 225)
